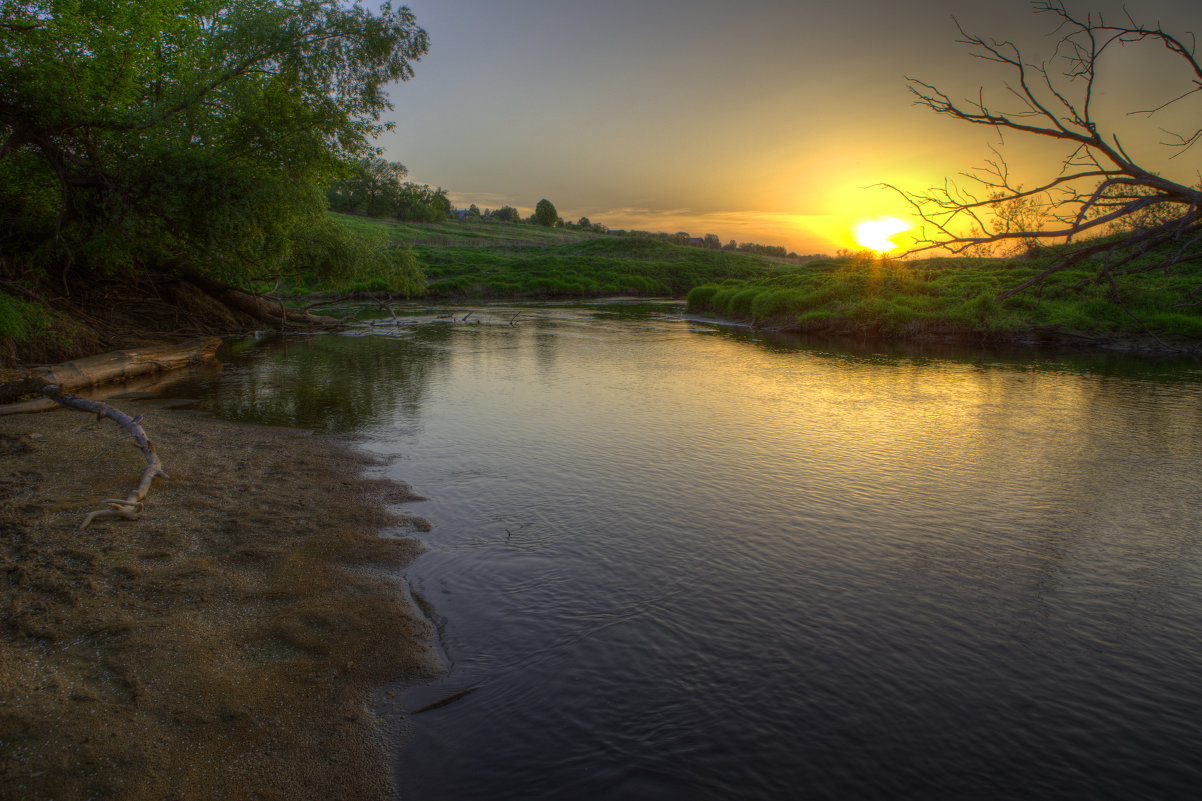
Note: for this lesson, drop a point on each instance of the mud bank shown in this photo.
(223, 646)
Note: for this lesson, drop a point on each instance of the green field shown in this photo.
(959, 297)
(479, 233)
(489, 259)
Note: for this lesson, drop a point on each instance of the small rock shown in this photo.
(37, 437)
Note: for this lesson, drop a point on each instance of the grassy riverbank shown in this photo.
(958, 297)
(224, 645)
(490, 259)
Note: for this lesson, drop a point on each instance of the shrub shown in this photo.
(700, 298)
(739, 305)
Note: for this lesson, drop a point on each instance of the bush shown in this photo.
(345, 260)
(776, 303)
(699, 298)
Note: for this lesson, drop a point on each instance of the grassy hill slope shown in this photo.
(488, 259)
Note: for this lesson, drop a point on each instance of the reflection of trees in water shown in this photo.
(334, 384)
(1161, 367)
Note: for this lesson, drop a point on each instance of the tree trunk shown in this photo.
(262, 309)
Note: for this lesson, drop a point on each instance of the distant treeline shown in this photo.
(549, 217)
(378, 189)
(712, 242)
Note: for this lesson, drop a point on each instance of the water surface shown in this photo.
(683, 562)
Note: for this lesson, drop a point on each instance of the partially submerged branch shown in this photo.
(129, 508)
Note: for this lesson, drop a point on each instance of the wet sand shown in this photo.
(223, 646)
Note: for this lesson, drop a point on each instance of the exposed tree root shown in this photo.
(266, 309)
(131, 507)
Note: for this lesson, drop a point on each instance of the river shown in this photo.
(672, 560)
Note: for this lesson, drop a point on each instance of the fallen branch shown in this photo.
(131, 507)
(388, 308)
(327, 302)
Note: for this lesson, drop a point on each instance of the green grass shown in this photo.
(487, 259)
(475, 232)
(39, 331)
(595, 266)
(957, 296)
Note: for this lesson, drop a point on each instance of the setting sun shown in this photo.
(874, 234)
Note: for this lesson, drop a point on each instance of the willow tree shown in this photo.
(183, 138)
(1098, 199)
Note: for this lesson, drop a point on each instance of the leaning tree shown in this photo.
(1100, 201)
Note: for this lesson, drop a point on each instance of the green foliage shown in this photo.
(504, 214)
(545, 213)
(584, 266)
(376, 189)
(371, 189)
(775, 302)
(336, 258)
(465, 232)
(12, 318)
(137, 135)
(698, 298)
(42, 333)
(956, 295)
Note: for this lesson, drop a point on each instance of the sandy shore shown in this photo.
(223, 646)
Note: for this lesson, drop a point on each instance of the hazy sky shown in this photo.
(757, 120)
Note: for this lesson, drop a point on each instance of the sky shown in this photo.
(763, 121)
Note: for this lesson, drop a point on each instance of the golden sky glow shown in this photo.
(875, 234)
(773, 127)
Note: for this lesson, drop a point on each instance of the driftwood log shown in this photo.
(122, 364)
(119, 365)
(131, 507)
(54, 381)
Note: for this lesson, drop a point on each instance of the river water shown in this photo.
(677, 561)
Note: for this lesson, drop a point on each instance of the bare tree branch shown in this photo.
(130, 507)
(1099, 187)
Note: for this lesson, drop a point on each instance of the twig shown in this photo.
(131, 507)
(450, 699)
(325, 302)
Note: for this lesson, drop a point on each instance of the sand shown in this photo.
(223, 646)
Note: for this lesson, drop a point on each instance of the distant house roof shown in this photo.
(697, 241)
(460, 213)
